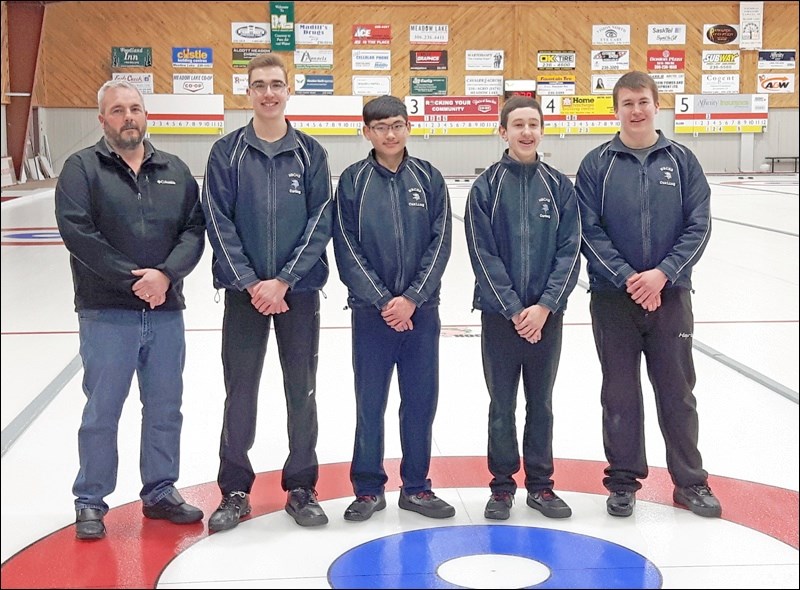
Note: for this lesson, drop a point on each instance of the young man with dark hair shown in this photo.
(392, 238)
(523, 235)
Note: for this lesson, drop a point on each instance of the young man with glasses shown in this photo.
(392, 234)
(267, 199)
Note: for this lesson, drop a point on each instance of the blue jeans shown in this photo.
(115, 344)
(377, 349)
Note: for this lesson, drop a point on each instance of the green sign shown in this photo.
(282, 26)
(429, 86)
(131, 57)
(243, 55)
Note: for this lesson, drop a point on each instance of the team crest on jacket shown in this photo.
(416, 198)
(668, 178)
(544, 213)
(294, 183)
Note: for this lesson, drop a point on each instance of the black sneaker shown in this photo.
(301, 504)
(699, 499)
(546, 502)
(499, 506)
(621, 503)
(234, 507)
(363, 507)
(174, 509)
(89, 524)
(427, 504)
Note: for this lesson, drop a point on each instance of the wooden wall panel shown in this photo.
(78, 37)
(4, 55)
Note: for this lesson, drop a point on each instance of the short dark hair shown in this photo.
(384, 107)
(268, 60)
(519, 102)
(636, 81)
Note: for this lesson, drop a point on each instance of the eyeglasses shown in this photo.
(384, 129)
(261, 87)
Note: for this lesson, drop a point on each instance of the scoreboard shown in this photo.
(723, 113)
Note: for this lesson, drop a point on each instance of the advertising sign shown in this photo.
(453, 115)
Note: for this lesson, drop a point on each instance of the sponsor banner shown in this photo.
(428, 60)
(611, 59)
(372, 34)
(192, 57)
(719, 83)
(740, 113)
(669, 83)
(241, 56)
(313, 84)
(777, 59)
(611, 34)
(491, 59)
(483, 85)
(666, 34)
(556, 85)
(313, 59)
(250, 33)
(239, 84)
(429, 34)
(775, 83)
(520, 86)
(193, 83)
(372, 85)
(721, 60)
(372, 59)
(131, 57)
(721, 34)
(604, 83)
(202, 114)
(142, 81)
(428, 86)
(555, 60)
(663, 60)
(751, 21)
(281, 15)
(313, 34)
(578, 115)
(326, 115)
(453, 115)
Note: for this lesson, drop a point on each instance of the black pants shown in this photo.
(506, 356)
(244, 344)
(623, 331)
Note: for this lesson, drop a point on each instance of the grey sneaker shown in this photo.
(427, 504)
(699, 499)
(546, 502)
(499, 506)
(363, 507)
(621, 503)
(234, 507)
(301, 504)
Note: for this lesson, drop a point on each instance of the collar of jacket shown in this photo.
(618, 146)
(519, 167)
(151, 155)
(287, 143)
(383, 170)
